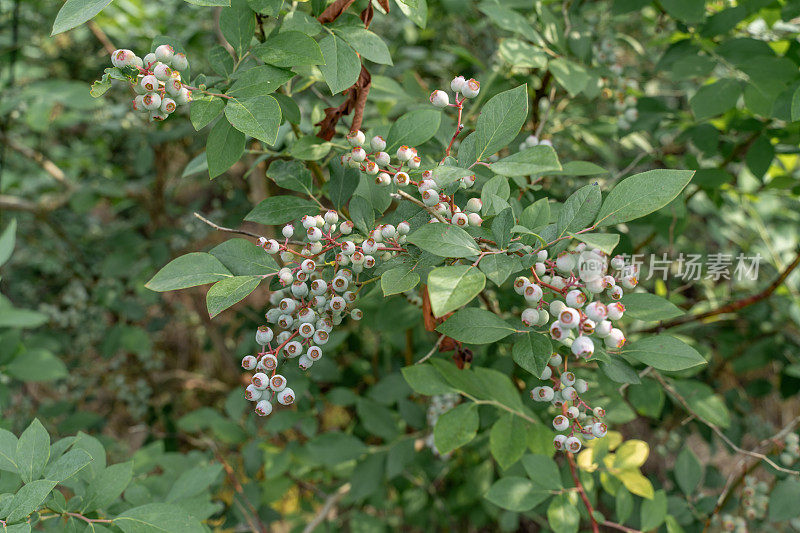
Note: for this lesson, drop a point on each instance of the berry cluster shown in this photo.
(618, 87)
(319, 286)
(560, 291)
(532, 140)
(791, 449)
(158, 86)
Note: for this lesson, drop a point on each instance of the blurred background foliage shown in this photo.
(102, 200)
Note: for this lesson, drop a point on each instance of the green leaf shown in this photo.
(75, 12)
(521, 54)
(499, 267)
(703, 401)
(310, 148)
(28, 499)
(220, 60)
(532, 351)
(190, 270)
(444, 240)
(500, 121)
(290, 175)
(8, 451)
(618, 370)
(399, 279)
(7, 240)
(342, 65)
(416, 11)
(289, 49)
(238, 25)
(333, 448)
(580, 168)
(444, 175)
(157, 518)
(516, 494)
(572, 76)
(664, 352)
(510, 20)
(204, 110)
(67, 465)
(456, 427)
(413, 128)
(543, 471)
(33, 451)
(451, 287)
(604, 241)
(107, 486)
(193, 482)
(501, 227)
(536, 215)
(258, 117)
(475, 326)
(259, 81)
(362, 214)
(209, 3)
(228, 292)
(688, 471)
(243, 258)
(508, 439)
(783, 500)
(654, 511)
(224, 147)
(12, 317)
(685, 10)
(533, 161)
(342, 184)
(714, 99)
(646, 306)
(563, 515)
(425, 379)
(281, 209)
(579, 210)
(366, 43)
(290, 111)
(642, 194)
(795, 107)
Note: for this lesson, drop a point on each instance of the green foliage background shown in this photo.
(151, 380)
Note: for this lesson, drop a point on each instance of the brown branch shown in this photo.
(733, 306)
(229, 230)
(354, 103)
(332, 500)
(102, 37)
(37, 157)
(582, 492)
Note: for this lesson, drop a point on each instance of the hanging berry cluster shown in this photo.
(158, 85)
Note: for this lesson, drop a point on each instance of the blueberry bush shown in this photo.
(519, 265)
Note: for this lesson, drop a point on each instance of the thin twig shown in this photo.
(330, 502)
(752, 453)
(404, 194)
(229, 230)
(582, 492)
(51, 168)
(433, 350)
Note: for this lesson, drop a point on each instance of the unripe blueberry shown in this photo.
(560, 423)
(346, 227)
(583, 346)
(184, 97)
(618, 262)
(460, 219)
(401, 179)
(587, 326)
(457, 85)
(263, 335)
(544, 317)
(581, 386)
(547, 373)
(287, 257)
(308, 266)
(559, 442)
(615, 292)
(260, 380)
(288, 231)
(287, 305)
(162, 72)
(430, 197)
(573, 412)
(565, 262)
(404, 153)
(179, 61)
(520, 283)
(467, 181)
(403, 228)
(358, 154)
(556, 360)
(277, 383)
(150, 60)
(356, 314)
(556, 306)
(439, 98)
(164, 53)
(263, 408)
(269, 362)
(568, 378)
(314, 353)
(151, 101)
(596, 311)
(285, 321)
(474, 205)
(596, 286)
(321, 337)
(569, 393)
(371, 168)
(249, 362)
(252, 394)
(615, 339)
(138, 103)
(530, 316)
(337, 303)
(299, 288)
(569, 317)
(575, 298)
(383, 179)
(471, 88)
(308, 221)
(356, 138)
(603, 328)
(546, 394)
(168, 105)
(306, 330)
(122, 58)
(314, 234)
(532, 293)
(599, 430)
(615, 310)
(149, 83)
(540, 269)
(557, 331)
(378, 143)
(629, 282)
(573, 445)
(285, 397)
(475, 219)
(304, 362)
(383, 159)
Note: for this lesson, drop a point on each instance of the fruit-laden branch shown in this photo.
(733, 306)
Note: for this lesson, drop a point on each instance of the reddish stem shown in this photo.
(582, 492)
